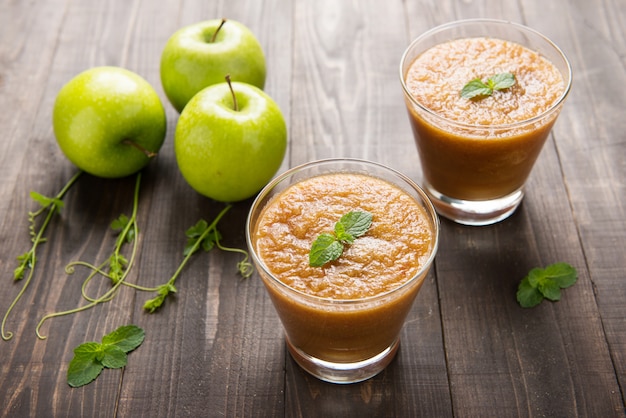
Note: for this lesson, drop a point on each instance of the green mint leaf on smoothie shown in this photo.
(545, 283)
(354, 224)
(91, 358)
(328, 247)
(476, 88)
(501, 81)
(325, 248)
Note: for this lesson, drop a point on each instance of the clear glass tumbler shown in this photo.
(474, 173)
(339, 340)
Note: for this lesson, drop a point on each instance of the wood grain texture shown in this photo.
(217, 347)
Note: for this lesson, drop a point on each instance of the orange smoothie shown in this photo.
(353, 308)
(484, 148)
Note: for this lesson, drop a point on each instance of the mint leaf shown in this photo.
(91, 358)
(127, 338)
(151, 305)
(501, 81)
(528, 295)
(45, 201)
(325, 248)
(19, 271)
(195, 233)
(545, 283)
(476, 88)
(117, 266)
(84, 367)
(197, 230)
(549, 289)
(211, 239)
(163, 291)
(356, 223)
(534, 276)
(562, 273)
(113, 357)
(27, 260)
(342, 235)
(120, 223)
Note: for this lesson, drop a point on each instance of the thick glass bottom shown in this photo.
(344, 373)
(474, 212)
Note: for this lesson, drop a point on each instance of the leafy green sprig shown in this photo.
(91, 358)
(545, 283)
(200, 236)
(329, 247)
(477, 88)
(28, 260)
(118, 265)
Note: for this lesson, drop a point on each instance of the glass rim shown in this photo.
(456, 23)
(426, 203)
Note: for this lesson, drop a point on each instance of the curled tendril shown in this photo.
(244, 267)
(98, 270)
(29, 259)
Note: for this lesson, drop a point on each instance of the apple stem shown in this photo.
(148, 153)
(217, 30)
(235, 106)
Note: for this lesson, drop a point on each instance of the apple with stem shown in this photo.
(109, 121)
(201, 54)
(230, 140)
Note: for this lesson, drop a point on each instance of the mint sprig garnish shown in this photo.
(476, 88)
(545, 283)
(329, 247)
(91, 358)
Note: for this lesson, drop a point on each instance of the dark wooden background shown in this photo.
(468, 349)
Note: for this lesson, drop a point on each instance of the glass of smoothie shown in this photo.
(482, 96)
(342, 318)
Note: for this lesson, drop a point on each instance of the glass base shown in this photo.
(474, 212)
(344, 373)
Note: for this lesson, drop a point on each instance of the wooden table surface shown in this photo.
(217, 348)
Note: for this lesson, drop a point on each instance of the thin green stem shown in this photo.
(141, 288)
(94, 271)
(7, 335)
(107, 296)
(197, 244)
(36, 240)
(168, 287)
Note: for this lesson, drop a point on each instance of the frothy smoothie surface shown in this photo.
(437, 76)
(398, 243)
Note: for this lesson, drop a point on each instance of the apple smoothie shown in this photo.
(481, 149)
(351, 309)
(471, 164)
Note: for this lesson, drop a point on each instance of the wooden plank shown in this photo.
(217, 347)
(21, 95)
(496, 351)
(91, 34)
(590, 141)
(221, 345)
(31, 154)
(347, 102)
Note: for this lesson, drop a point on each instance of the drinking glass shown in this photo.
(475, 173)
(341, 340)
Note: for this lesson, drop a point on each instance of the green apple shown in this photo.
(109, 121)
(202, 54)
(228, 152)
